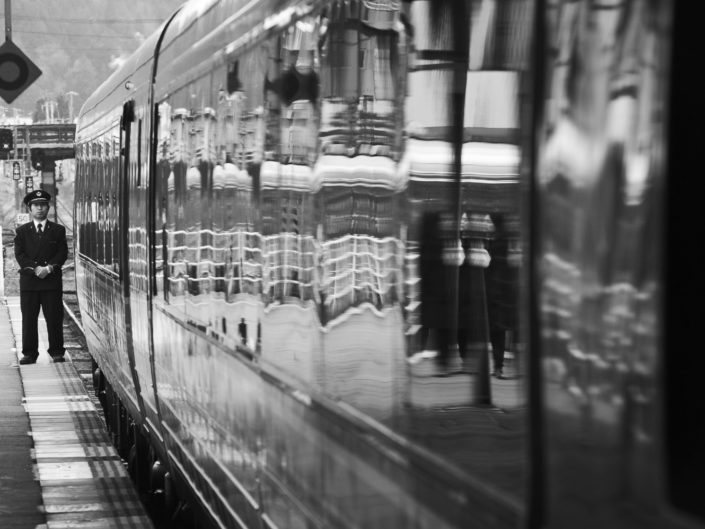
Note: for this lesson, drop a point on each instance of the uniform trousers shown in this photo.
(52, 307)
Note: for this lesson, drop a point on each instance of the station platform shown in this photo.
(58, 469)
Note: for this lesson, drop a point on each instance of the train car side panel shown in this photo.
(97, 208)
(288, 239)
(601, 177)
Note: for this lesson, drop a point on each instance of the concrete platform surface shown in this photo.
(57, 467)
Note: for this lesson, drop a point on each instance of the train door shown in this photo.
(133, 260)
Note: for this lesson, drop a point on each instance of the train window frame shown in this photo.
(233, 82)
(116, 198)
(126, 118)
(138, 183)
(682, 241)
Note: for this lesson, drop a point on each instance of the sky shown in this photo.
(77, 43)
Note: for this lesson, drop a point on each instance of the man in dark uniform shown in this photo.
(40, 250)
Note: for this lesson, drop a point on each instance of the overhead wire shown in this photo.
(62, 34)
(89, 20)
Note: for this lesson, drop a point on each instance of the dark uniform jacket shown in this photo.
(32, 251)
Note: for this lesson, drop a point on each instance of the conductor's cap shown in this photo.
(36, 196)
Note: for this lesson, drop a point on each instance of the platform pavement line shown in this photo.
(84, 482)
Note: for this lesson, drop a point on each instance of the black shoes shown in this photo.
(26, 359)
(58, 358)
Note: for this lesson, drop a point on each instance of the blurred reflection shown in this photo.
(601, 159)
(356, 169)
(314, 220)
(360, 201)
(193, 209)
(488, 179)
(503, 291)
(291, 88)
(237, 244)
(462, 252)
(290, 340)
(175, 224)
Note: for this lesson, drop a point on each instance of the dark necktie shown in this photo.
(39, 229)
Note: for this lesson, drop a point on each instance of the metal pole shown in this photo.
(27, 150)
(71, 96)
(8, 20)
(14, 142)
(53, 178)
(483, 388)
(457, 106)
(2, 270)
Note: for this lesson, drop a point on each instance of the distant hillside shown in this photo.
(77, 44)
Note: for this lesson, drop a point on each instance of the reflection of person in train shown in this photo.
(473, 329)
(436, 312)
(503, 287)
(453, 299)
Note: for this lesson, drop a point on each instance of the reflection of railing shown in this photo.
(231, 265)
(289, 266)
(358, 269)
(412, 283)
(341, 273)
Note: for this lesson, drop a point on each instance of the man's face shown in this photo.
(39, 210)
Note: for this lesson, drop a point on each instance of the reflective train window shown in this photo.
(115, 193)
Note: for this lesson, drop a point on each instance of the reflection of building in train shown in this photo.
(236, 282)
(175, 149)
(490, 156)
(359, 197)
(198, 252)
(287, 232)
(359, 203)
(361, 253)
(286, 179)
(237, 247)
(237, 256)
(212, 247)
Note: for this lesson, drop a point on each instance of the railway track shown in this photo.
(75, 343)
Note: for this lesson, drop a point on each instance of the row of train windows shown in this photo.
(98, 204)
(233, 132)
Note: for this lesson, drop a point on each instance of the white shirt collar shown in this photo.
(43, 224)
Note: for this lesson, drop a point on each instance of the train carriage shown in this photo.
(304, 225)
